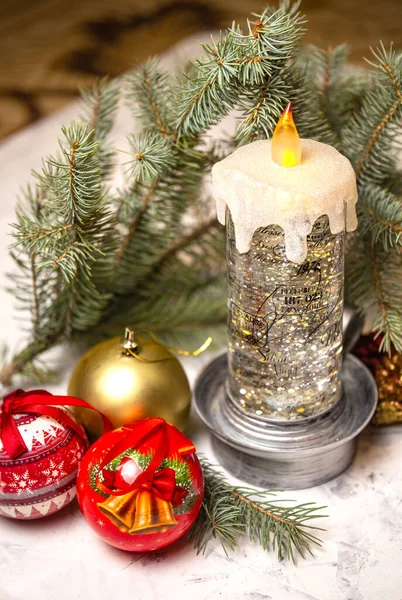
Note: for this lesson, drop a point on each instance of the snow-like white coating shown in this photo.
(258, 193)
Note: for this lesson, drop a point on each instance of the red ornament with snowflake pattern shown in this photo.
(41, 480)
(130, 507)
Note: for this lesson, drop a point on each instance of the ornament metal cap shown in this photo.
(128, 342)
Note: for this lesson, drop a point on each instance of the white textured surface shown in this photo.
(60, 557)
(258, 193)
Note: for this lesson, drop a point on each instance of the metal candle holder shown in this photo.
(286, 455)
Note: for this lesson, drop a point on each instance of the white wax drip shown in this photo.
(258, 193)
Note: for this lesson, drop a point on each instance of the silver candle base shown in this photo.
(292, 455)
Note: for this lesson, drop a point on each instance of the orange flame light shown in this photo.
(285, 148)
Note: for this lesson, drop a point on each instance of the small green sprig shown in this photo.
(229, 512)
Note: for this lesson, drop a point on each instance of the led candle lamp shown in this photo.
(286, 203)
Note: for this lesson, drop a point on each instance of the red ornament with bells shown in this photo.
(140, 487)
(41, 446)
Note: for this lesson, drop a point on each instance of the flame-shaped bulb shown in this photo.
(285, 147)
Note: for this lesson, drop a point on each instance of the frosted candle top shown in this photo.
(258, 193)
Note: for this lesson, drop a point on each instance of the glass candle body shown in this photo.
(285, 324)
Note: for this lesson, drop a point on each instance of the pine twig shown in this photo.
(372, 146)
(254, 113)
(154, 107)
(35, 302)
(184, 242)
(384, 223)
(376, 134)
(133, 225)
(229, 512)
(380, 299)
(21, 360)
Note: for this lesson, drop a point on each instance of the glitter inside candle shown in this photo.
(285, 270)
(285, 338)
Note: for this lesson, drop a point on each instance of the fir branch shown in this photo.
(387, 291)
(209, 97)
(332, 94)
(183, 243)
(372, 131)
(153, 104)
(60, 293)
(376, 134)
(373, 263)
(251, 122)
(35, 301)
(152, 156)
(375, 285)
(262, 108)
(100, 108)
(380, 215)
(38, 234)
(135, 220)
(378, 289)
(176, 306)
(91, 260)
(149, 95)
(24, 361)
(157, 215)
(228, 512)
(234, 63)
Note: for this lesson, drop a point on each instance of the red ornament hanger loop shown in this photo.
(38, 402)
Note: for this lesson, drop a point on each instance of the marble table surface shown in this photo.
(60, 557)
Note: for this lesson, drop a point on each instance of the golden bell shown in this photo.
(126, 388)
(152, 514)
(120, 509)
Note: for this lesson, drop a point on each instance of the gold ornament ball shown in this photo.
(148, 382)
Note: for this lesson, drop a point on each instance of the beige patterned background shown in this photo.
(48, 47)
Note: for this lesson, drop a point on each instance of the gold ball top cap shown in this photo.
(142, 348)
(129, 341)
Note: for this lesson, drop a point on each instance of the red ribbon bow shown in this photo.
(162, 483)
(38, 402)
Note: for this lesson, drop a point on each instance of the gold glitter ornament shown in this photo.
(388, 376)
(129, 379)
